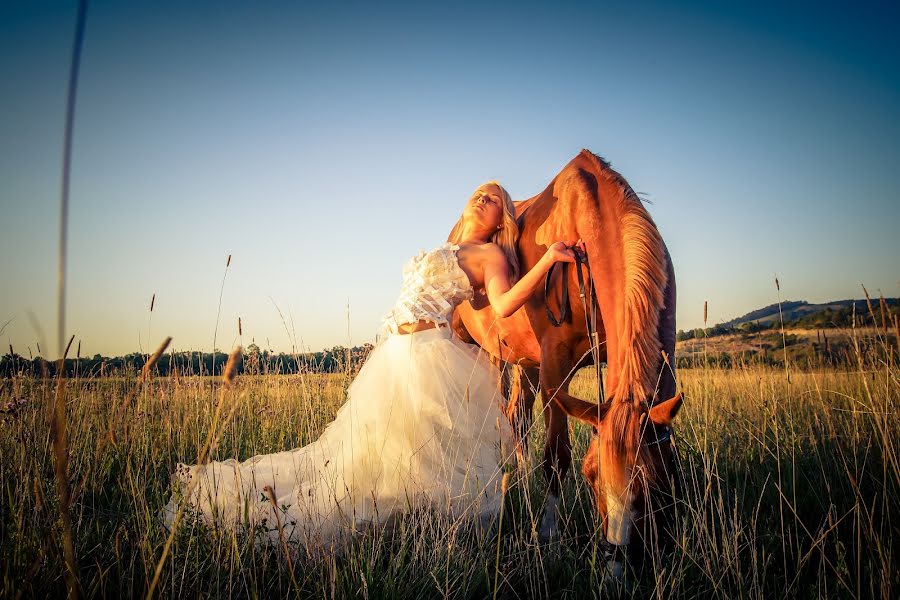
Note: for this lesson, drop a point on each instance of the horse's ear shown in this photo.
(663, 413)
(588, 412)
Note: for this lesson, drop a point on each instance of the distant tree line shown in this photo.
(254, 361)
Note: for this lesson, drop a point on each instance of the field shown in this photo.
(792, 490)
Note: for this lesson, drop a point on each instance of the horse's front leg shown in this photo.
(556, 364)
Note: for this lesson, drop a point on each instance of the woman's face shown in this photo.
(485, 207)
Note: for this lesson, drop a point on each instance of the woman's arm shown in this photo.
(506, 299)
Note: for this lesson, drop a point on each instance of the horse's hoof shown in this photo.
(549, 530)
(616, 588)
(615, 583)
(548, 534)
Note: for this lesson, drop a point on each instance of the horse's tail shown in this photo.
(629, 268)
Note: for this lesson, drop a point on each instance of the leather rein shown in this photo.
(565, 311)
(590, 317)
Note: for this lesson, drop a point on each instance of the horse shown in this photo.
(630, 454)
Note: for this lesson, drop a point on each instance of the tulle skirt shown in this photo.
(423, 427)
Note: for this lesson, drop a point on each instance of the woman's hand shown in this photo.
(563, 252)
(506, 300)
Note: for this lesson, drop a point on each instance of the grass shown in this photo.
(791, 491)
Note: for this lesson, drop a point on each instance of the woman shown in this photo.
(423, 425)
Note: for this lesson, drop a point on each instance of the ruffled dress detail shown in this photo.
(433, 285)
(423, 427)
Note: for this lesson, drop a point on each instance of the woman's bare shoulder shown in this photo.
(488, 255)
(494, 256)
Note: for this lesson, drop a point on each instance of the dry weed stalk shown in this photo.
(897, 332)
(174, 367)
(869, 304)
(504, 488)
(150, 318)
(219, 312)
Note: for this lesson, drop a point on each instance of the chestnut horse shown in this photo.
(634, 280)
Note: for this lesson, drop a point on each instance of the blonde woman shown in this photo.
(422, 427)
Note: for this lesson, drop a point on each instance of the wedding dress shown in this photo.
(422, 427)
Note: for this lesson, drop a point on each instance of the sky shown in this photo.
(320, 145)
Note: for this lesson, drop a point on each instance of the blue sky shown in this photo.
(321, 145)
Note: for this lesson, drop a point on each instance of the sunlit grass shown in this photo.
(791, 490)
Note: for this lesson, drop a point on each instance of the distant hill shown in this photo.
(793, 310)
(831, 333)
(800, 314)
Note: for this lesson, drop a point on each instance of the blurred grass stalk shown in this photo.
(58, 423)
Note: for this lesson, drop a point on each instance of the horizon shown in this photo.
(320, 147)
(301, 351)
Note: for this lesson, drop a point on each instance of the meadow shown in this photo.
(791, 479)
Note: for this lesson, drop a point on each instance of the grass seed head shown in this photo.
(230, 372)
(155, 357)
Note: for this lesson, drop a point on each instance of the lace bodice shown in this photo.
(433, 285)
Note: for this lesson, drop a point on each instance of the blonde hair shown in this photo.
(507, 237)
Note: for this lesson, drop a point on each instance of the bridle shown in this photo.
(666, 437)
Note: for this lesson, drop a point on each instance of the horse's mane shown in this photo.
(646, 277)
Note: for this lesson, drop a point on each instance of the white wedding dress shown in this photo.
(423, 427)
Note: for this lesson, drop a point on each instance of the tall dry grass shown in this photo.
(791, 490)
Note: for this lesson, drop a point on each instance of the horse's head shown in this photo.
(629, 465)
